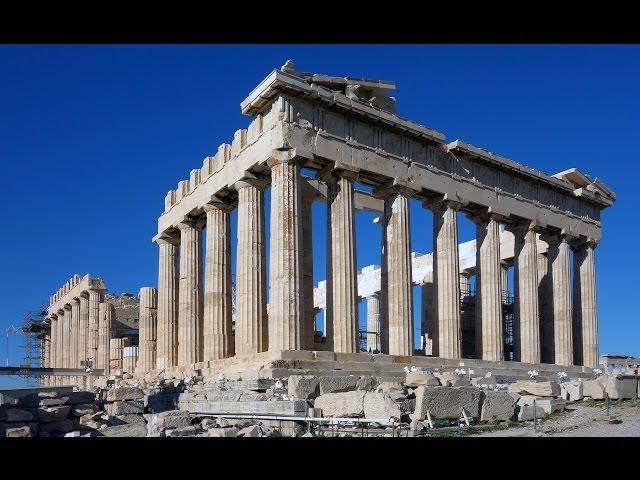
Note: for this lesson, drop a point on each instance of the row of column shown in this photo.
(79, 332)
(191, 330)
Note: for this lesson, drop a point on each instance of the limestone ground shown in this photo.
(583, 419)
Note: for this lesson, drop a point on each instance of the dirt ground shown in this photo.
(583, 419)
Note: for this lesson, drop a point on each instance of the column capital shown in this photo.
(285, 155)
(67, 308)
(578, 243)
(188, 223)
(440, 202)
(394, 187)
(217, 203)
(523, 226)
(484, 217)
(165, 238)
(338, 170)
(251, 179)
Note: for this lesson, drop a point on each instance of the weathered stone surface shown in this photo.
(391, 387)
(447, 402)
(188, 431)
(86, 421)
(416, 379)
(15, 415)
(381, 405)
(223, 432)
(497, 407)
(63, 426)
(127, 430)
(304, 387)
(131, 418)
(571, 391)
(621, 387)
(251, 431)
(53, 402)
(594, 388)
(124, 393)
(367, 383)
(526, 412)
(53, 414)
(125, 408)
(532, 387)
(158, 422)
(81, 397)
(343, 404)
(83, 409)
(23, 431)
(490, 380)
(551, 405)
(337, 384)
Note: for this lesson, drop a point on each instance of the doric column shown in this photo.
(251, 333)
(427, 317)
(61, 340)
(74, 334)
(189, 300)
(106, 315)
(285, 256)
(95, 297)
(448, 334)
(489, 330)
(585, 324)
(147, 333)
(559, 292)
(504, 280)
(167, 326)
(66, 334)
(217, 326)
(344, 282)
(545, 307)
(83, 328)
(373, 322)
(396, 270)
(527, 324)
(309, 322)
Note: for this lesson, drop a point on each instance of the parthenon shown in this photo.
(347, 133)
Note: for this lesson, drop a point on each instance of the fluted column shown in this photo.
(545, 307)
(489, 329)
(448, 335)
(344, 283)
(251, 333)
(95, 297)
(106, 316)
(167, 326)
(66, 347)
(585, 324)
(52, 347)
(83, 328)
(285, 273)
(396, 271)
(147, 333)
(189, 309)
(217, 326)
(527, 324)
(60, 341)
(559, 259)
(74, 334)
(309, 322)
(373, 322)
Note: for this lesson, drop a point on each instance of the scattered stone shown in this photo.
(304, 387)
(620, 387)
(447, 402)
(381, 405)
(344, 404)
(81, 397)
(338, 384)
(416, 379)
(391, 387)
(252, 431)
(486, 380)
(83, 409)
(533, 387)
(157, 422)
(53, 414)
(15, 415)
(551, 405)
(497, 407)
(63, 426)
(131, 418)
(525, 412)
(124, 393)
(366, 383)
(188, 431)
(208, 423)
(594, 388)
(75, 433)
(223, 432)
(127, 430)
(53, 402)
(571, 391)
(125, 407)
(23, 431)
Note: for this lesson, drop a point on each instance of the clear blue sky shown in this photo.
(92, 137)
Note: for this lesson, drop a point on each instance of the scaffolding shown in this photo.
(34, 333)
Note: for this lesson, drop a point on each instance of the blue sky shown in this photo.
(92, 137)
